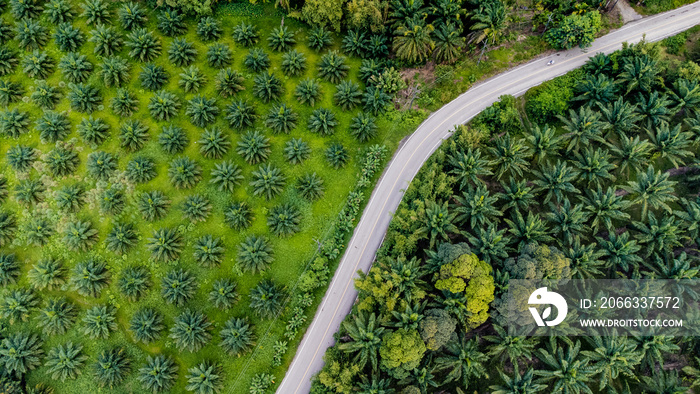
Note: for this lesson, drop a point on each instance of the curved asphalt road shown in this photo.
(405, 164)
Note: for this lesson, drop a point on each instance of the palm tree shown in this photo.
(68, 38)
(90, 277)
(21, 158)
(47, 274)
(583, 127)
(254, 147)
(620, 116)
(124, 103)
(31, 35)
(8, 226)
(75, 67)
(10, 92)
(121, 238)
(255, 254)
(184, 173)
(228, 82)
(517, 195)
(202, 111)
(621, 251)
(654, 109)
(322, 121)
(437, 222)
(366, 334)
(281, 39)
(204, 378)
(61, 161)
(27, 191)
(84, 98)
(337, 156)
(158, 374)
(655, 349)
(53, 126)
(448, 43)
(20, 353)
(296, 151)
(238, 215)
(208, 251)
(17, 305)
(518, 384)
(556, 180)
(544, 142)
(476, 206)
(178, 286)
(133, 135)
(93, 131)
(196, 208)
(489, 21)
(165, 244)
(640, 74)
(594, 166)
(163, 105)
(38, 231)
(115, 71)
(664, 382)
(132, 15)
(191, 79)
(143, 45)
(99, 322)
(513, 348)
(223, 294)
(38, 65)
(140, 170)
(463, 360)
(354, 43)
(190, 331)
(632, 154)
(660, 237)
(219, 55)
(293, 63)
(363, 127)
(171, 23)
(8, 61)
(375, 100)
(257, 60)
(310, 186)
(491, 245)
(281, 119)
(266, 299)
(319, 38)
(596, 90)
(567, 222)
(108, 41)
(685, 95)
(237, 336)
(9, 269)
(58, 11)
(134, 282)
(111, 367)
(586, 260)
(531, 229)
(413, 42)
(146, 325)
(267, 181)
(671, 144)
(152, 205)
(652, 188)
(101, 165)
(173, 139)
(14, 122)
(80, 236)
(245, 34)
(112, 201)
(308, 91)
(240, 114)
(209, 29)
(567, 370)
(267, 87)
(333, 67)
(45, 96)
(347, 95)
(96, 12)
(226, 176)
(612, 356)
(57, 316)
(283, 220)
(153, 77)
(509, 156)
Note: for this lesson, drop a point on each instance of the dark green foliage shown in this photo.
(111, 367)
(37, 64)
(115, 71)
(96, 12)
(29, 191)
(223, 294)
(202, 111)
(255, 254)
(322, 121)
(8, 226)
(219, 55)
(266, 299)
(10, 92)
(308, 91)
(121, 238)
(20, 353)
(363, 127)
(245, 34)
(191, 79)
(143, 45)
(9, 269)
(65, 361)
(4, 192)
(209, 251)
(319, 38)
(158, 374)
(226, 176)
(90, 277)
(281, 39)
(53, 126)
(267, 181)
(213, 144)
(238, 215)
(146, 325)
(70, 198)
(293, 63)
(45, 96)
(101, 165)
(333, 67)
(296, 151)
(347, 95)
(257, 60)
(237, 336)
(267, 87)
(337, 156)
(14, 122)
(209, 29)
(99, 321)
(47, 274)
(448, 44)
(205, 378)
(84, 98)
(173, 139)
(31, 35)
(177, 287)
(355, 43)
(152, 205)
(228, 82)
(375, 100)
(56, 316)
(240, 114)
(61, 161)
(68, 38)
(16, 305)
(153, 77)
(6, 31)
(184, 173)
(190, 331)
(283, 220)
(140, 170)
(38, 231)
(80, 236)
(133, 135)
(171, 23)
(281, 119)
(59, 11)
(165, 244)
(163, 105)
(108, 41)
(310, 186)
(196, 208)
(93, 131)
(182, 52)
(124, 103)
(132, 15)
(254, 147)
(8, 61)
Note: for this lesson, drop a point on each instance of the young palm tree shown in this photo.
(96, 12)
(612, 357)
(59, 11)
(53, 126)
(310, 186)
(296, 151)
(8, 226)
(281, 119)
(583, 127)
(38, 65)
(348, 95)
(202, 111)
(208, 251)
(245, 34)
(594, 167)
(556, 180)
(115, 71)
(509, 156)
(448, 43)
(134, 282)
(209, 29)
(468, 166)
(178, 287)
(182, 53)
(143, 45)
(620, 116)
(111, 367)
(196, 208)
(319, 38)
(238, 215)
(544, 142)
(266, 299)
(281, 39)
(652, 188)
(568, 222)
(101, 165)
(596, 90)
(240, 114)
(70, 198)
(146, 325)
(205, 378)
(140, 170)
(332, 67)
(17, 305)
(68, 38)
(219, 55)
(355, 43)
(8, 61)
(57, 316)
(152, 205)
(437, 222)
(184, 173)
(30, 35)
(93, 131)
(586, 262)
(375, 100)
(509, 347)
(29, 191)
(518, 383)
(163, 105)
(621, 251)
(21, 158)
(45, 96)
(228, 82)
(159, 374)
(61, 161)
(366, 338)
(14, 122)
(223, 294)
(640, 74)
(124, 103)
(21, 353)
(6, 32)
(84, 98)
(308, 91)
(112, 201)
(267, 181)
(171, 23)
(38, 231)
(255, 254)
(528, 230)
(283, 220)
(47, 274)
(323, 121)
(671, 144)
(631, 154)
(213, 144)
(165, 244)
(659, 237)
(99, 322)
(654, 109)
(75, 67)
(121, 238)
(337, 156)
(173, 139)
(226, 176)
(190, 331)
(254, 147)
(377, 47)
(191, 79)
(267, 87)
(293, 63)
(567, 371)
(90, 277)
(477, 207)
(413, 42)
(463, 360)
(107, 39)
(685, 95)
(153, 77)
(132, 16)
(237, 336)
(9, 269)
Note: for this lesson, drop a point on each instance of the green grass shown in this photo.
(291, 254)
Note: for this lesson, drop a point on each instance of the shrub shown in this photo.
(296, 151)
(208, 251)
(158, 374)
(59, 11)
(333, 67)
(90, 277)
(310, 186)
(107, 40)
(111, 367)
(68, 38)
(133, 135)
(84, 98)
(322, 121)
(190, 331)
(191, 79)
(283, 220)
(257, 60)
(238, 215)
(57, 316)
(132, 16)
(134, 282)
(209, 29)
(245, 34)
(281, 39)
(96, 12)
(281, 118)
(99, 322)
(152, 205)
(81, 236)
(37, 231)
(21, 353)
(53, 126)
(196, 208)
(240, 114)
(177, 287)
(29, 191)
(237, 336)
(202, 111)
(171, 23)
(219, 55)
(75, 67)
(65, 361)
(93, 131)
(9, 269)
(101, 165)
(308, 91)
(375, 100)
(319, 38)
(153, 77)
(45, 96)
(143, 45)
(337, 156)
(254, 147)
(124, 103)
(121, 238)
(266, 299)
(226, 176)
(61, 161)
(347, 95)
(111, 201)
(8, 226)
(293, 63)
(16, 305)
(228, 82)
(184, 173)
(140, 170)
(47, 274)
(14, 123)
(20, 158)
(223, 294)
(182, 52)
(165, 244)
(115, 71)
(70, 198)
(146, 324)
(163, 105)
(204, 378)
(31, 35)
(173, 139)
(8, 61)
(37, 65)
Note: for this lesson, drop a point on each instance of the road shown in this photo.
(407, 161)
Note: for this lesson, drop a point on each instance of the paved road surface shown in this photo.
(405, 164)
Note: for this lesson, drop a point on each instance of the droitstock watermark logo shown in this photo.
(543, 297)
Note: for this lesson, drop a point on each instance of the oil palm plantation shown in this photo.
(365, 339)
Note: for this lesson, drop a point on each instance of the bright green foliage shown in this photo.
(204, 378)
(538, 262)
(323, 121)
(38, 231)
(29, 191)
(90, 277)
(281, 39)
(190, 331)
(254, 147)
(191, 79)
(213, 144)
(332, 67)
(281, 119)
(152, 205)
(96, 12)
(20, 353)
(173, 139)
(366, 337)
(53, 126)
(70, 198)
(208, 29)
(111, 367)
(184, 173)
(132, 15)
(14, 122)
(401, 351)
(219, 55)
(319, 38)
(45, 96)
(177, 287)
(308, 91)
(31, 35)
(171, 23)
(202, 111)
(37, 65)
(196, 208)
(84, 98)
(238, 215)
(223, 294)
(111, 201)
(146, 325)
(226, 176)
(182, 52)
(115, 71)
(153, 77)
(80, 236)
(143, 45)
(121, 238)
(468, 275)
(75, 67)
(163, 105)
(16, 305)
(477, 207)
(237, 336)
(413, 42)
(124, 103)
(228, 82)
(68, 38)
(8, 61)
(93, 131)
(208, 251)
(159, 373)
(240, 114)
(61, 161)
(108, 41)
(283, 220)
(134, 282)
(347, 95)
(59, 11)
(56, 316)
(337, 156)
(266, 299)
(8, 226)
(101, 165)
(99, 322)
(437, 221)
(293, 63)
(556, 180)
(296, 151)
(165, 244)
(310, 186)
(448, 43)
(575, 30)
(267, 87)
(255, 254)
(510, 156)
(268, 181)
(140, 170)
(245, 34)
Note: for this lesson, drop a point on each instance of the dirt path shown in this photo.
(626, 11)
